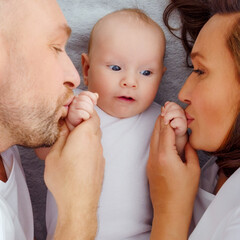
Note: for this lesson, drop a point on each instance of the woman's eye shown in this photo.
(146, 73)
(115, 67)
(198, 71)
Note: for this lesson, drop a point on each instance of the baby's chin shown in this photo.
(123, 115)
(120, 114)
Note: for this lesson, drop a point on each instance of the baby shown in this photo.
(124, 66)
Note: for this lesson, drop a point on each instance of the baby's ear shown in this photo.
(164, 69)
(85, 67)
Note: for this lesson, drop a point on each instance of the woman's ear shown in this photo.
(85, 67)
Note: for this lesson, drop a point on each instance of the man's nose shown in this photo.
(72, 78)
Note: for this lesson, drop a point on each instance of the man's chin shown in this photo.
(44, 143)
(50, 140)
(46, 139)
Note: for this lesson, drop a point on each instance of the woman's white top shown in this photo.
(16, 218)
(216, 217)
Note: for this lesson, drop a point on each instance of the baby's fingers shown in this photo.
(179, 125)
(88, 96)
(83, 105)
(170, 115)
(170, 106)
(85, 115)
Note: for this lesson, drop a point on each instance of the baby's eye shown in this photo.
(115, 67)
(145, 72)
(198, 71)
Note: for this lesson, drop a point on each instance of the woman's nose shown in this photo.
(185, 93)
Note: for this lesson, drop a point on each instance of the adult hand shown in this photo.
(173, 184)
(74, 171)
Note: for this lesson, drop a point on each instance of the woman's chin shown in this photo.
(203, 145)
(194, 143)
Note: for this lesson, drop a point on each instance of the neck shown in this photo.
(221, 180)
(4, 146)
(6, 140)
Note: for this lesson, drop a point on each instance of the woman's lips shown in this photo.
(189, 119)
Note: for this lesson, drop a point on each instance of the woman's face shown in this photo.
(212, 91)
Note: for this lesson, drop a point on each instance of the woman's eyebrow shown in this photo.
(196, 54)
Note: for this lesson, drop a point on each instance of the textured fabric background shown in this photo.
(81, 16)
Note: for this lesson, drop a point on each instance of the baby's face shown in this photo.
(126, 65)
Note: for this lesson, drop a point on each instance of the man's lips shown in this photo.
(126, 98)
(66, 106)
(189, 118)
(69, 101)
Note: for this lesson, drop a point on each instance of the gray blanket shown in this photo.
(81, 16)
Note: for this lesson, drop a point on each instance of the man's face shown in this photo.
(36, 75)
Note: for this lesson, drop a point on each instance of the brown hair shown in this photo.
(234, 43)
(194, 14)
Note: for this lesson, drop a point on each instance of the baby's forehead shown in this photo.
(126, 16)
(125, 24)
(126, 19)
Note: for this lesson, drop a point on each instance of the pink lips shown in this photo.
(69, 102)
(127, 99)
(189, 119)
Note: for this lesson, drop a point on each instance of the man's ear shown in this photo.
(85, 67)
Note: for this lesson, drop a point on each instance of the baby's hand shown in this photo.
(175, 116)
(81, 108)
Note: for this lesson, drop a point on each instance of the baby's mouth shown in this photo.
(124, 98)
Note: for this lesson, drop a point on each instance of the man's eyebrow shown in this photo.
(66, 29)
(196, 54)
